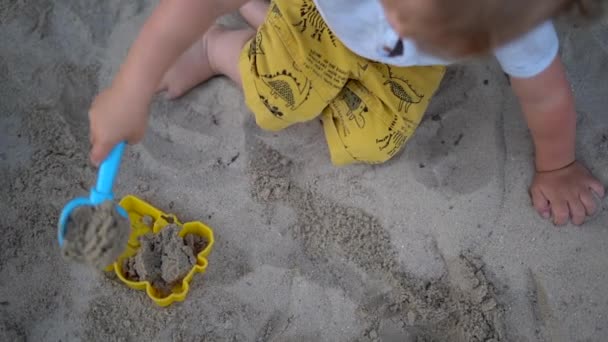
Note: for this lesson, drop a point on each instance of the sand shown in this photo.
(440, 244)
(96, 235)
(148, 221)
(163, 259)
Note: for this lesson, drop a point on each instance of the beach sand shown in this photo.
(440, 244)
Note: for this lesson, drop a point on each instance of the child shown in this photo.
(343, 61)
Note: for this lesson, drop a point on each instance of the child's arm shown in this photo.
(121, 111)
(562, 187)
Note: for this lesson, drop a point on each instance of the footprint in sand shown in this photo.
(460, 140)
(461, 303)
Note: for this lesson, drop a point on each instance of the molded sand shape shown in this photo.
(164, 259)
(162, 255)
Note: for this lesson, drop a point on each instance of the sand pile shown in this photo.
(96, 235)
(164, 259)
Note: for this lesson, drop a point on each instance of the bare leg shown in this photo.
(225, 52)
(216, 53)
(254, 12)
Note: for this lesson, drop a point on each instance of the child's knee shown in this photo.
(367, 139)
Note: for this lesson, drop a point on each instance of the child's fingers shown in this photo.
(540, 202)
(597, 187)
(136, 137)
(578, 212)
(91, 130)
(100, 151)
(561, 212)
(589, 202)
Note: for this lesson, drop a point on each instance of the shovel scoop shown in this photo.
(95, 230)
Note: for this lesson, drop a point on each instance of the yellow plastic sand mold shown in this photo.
(138, 211)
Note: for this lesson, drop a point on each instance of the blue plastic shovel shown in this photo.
(100, 193)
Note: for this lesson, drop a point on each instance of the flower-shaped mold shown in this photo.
(139, 212)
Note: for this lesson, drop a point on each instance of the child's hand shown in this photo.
(116, 116)
(566, 194)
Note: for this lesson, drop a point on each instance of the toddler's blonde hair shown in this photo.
(460, 28)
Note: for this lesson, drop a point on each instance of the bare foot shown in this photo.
(254, 12)
(192, 68)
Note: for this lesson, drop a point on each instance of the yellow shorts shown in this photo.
(295, 70)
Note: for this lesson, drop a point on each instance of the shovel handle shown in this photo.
(108, 170)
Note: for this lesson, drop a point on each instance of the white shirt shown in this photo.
(362, 27)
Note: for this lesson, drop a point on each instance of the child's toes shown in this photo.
(171, 90)
(173, 93)
(174, 90)
(162, 86)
